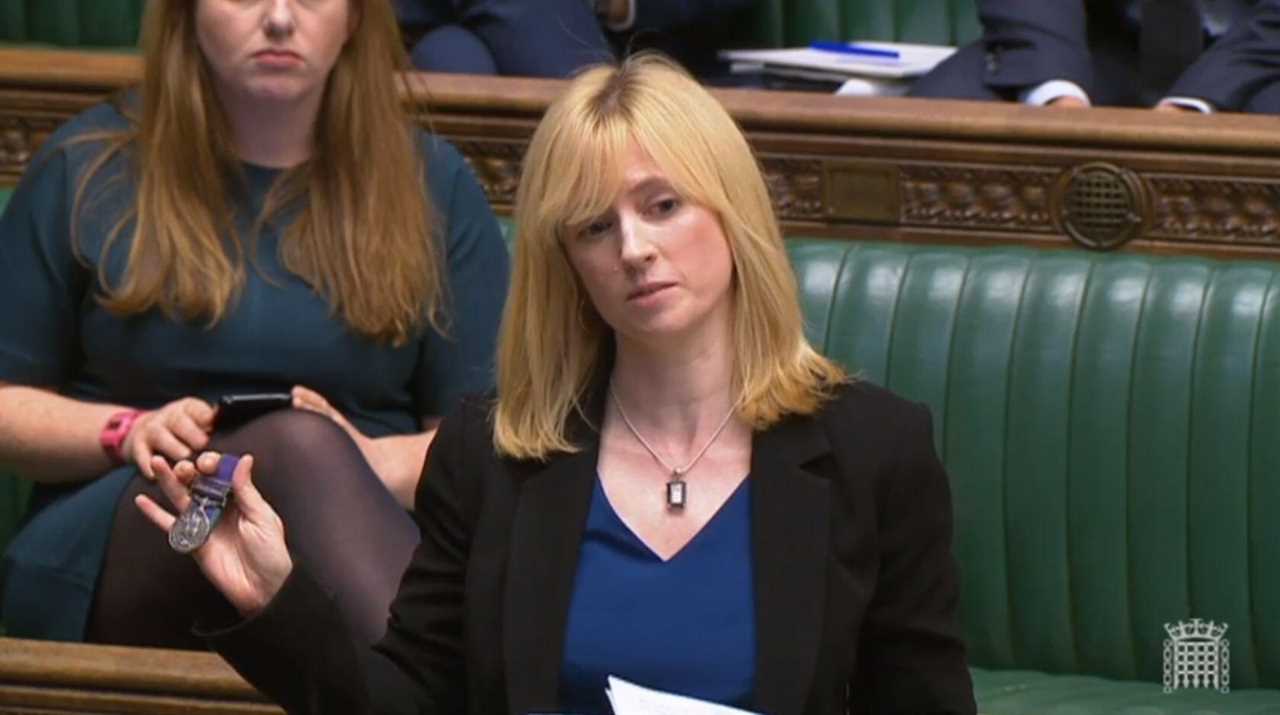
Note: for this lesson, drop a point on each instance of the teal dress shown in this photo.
(54, 334)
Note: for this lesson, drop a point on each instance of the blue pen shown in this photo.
(847, 49)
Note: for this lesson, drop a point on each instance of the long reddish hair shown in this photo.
(365, 237)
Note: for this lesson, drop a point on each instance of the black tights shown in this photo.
(340, 521)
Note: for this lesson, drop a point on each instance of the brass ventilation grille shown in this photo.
(1102, 206)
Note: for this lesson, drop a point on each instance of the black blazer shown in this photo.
(1028, 43)
(856, 585)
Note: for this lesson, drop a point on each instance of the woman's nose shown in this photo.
(637, 241)
(279, 20)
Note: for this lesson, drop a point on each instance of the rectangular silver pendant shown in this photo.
(676, 493)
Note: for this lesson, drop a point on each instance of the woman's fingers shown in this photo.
(185, 428)
(164, 442)
(155, 513)
(142, 456)
(304, 398)
(173, 487)
(248, 499)
(201, 413)
(207, 462)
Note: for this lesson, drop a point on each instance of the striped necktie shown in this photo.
(1172, 37)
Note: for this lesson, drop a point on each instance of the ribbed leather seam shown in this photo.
(941, 429)
(1072, 596)
(1130, 449)
(1258, 642)
(893, 322)
(1250, 574)
(1206, 294)
(1004, 466)
(831, 307)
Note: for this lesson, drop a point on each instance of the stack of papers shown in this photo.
(627, 698)
(870, 65)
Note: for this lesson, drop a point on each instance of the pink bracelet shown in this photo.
(114, 433)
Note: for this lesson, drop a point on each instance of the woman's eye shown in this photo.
(595, 228)
(662, 207)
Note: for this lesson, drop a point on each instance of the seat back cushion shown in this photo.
(79, 23)
(782, 23)
(1111, 427)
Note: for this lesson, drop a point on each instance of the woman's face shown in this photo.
(655, 265)
(272, 50)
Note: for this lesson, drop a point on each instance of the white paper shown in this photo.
(627, 698)
(913, 60)
(872, 87)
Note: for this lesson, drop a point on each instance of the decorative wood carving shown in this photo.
(1003, 199)
(1197, 209)
(19, 138)
(497, 167)
(796, 186)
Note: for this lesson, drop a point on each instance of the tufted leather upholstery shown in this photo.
(782, 23)
(85, 23)
(1110, 425)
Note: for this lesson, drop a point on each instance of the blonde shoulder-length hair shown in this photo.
(552, 341)
(365, 235)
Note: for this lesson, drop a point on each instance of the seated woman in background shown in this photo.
(261, 215)
(671, 485)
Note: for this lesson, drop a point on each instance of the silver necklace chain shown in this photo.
(676, 472)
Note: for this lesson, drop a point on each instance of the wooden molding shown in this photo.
(889, 168)
(45, 677)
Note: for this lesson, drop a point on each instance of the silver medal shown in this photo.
(190, 531)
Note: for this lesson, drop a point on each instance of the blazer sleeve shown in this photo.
(1028, 43)
(912, 651)
(299, 653)
(1240, 64)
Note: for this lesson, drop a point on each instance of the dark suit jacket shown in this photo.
(557, 37)
(856, 586)
(1091, 43)
(1033, 42)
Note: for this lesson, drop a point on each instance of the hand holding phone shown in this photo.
(236, 410)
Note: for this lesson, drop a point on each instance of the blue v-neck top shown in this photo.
(686, 625)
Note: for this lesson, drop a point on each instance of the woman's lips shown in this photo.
(647, 290)
(277, 57)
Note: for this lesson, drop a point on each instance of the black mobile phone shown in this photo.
(235, 410)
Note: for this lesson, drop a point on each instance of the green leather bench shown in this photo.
(1110, 426)
(787, 23)
(78, 23)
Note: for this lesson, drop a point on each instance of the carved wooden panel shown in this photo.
(1003, 199)
(796, 186)
(20, 137)
(496, 165)
(1196, 209)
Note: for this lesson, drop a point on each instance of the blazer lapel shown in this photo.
(546, 536)
(790, 533)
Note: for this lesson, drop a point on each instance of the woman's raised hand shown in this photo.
(178, 431)
(245, 557)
